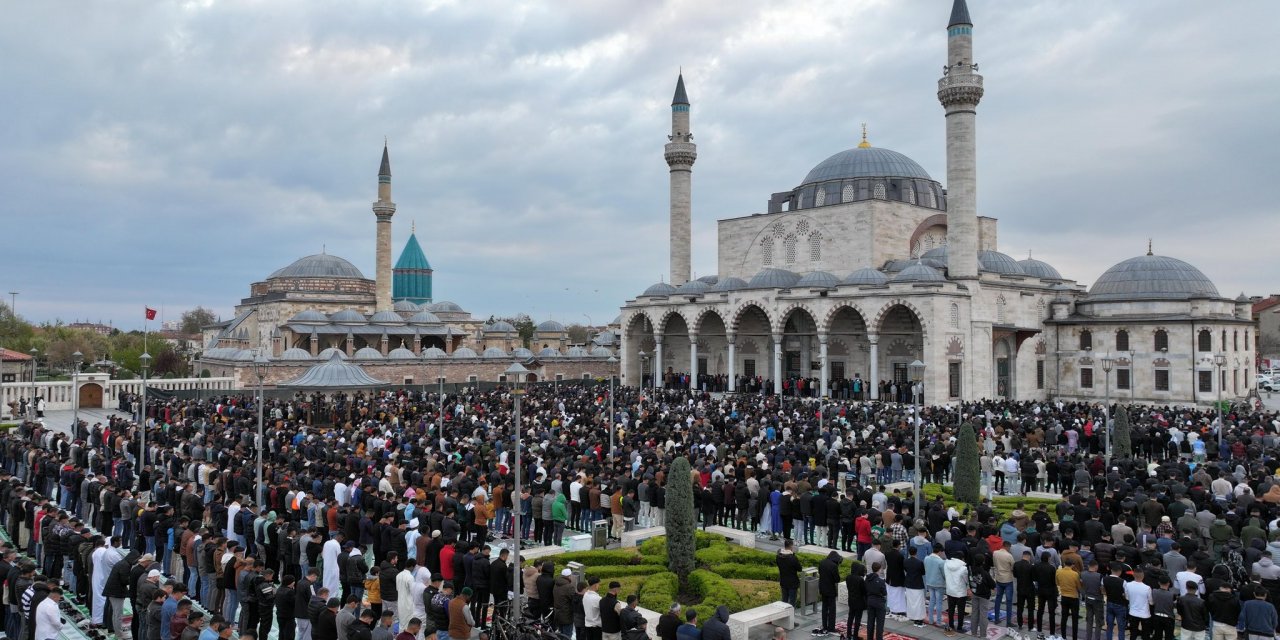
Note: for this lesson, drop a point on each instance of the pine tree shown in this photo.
(1121, 446)
(681, 544)
(968, 473)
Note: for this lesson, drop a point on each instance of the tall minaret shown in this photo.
(383, 209)
(680, 154)
(959, 91)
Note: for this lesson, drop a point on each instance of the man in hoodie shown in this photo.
(828, 589)
(956, 572)
(788, 571)
(717, 628)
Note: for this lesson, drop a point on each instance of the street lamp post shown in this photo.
(1219, 361)
(517, 372)
(145, 360)
(1108, 363)
(31, 408)
(259, 361)
(612, 362)
(76, 358)
(916, 370)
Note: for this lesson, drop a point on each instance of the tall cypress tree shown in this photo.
(681, 544)
(1121, 445)
(968, 474)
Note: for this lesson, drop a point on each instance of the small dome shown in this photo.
(997, 262)
(1242, 298)
(424, 317)
(729, 284)
(243, 355)
(404, 306)
(605, 338)
(866, 162)
(918, 272)
(444, 305)
(770, 278)
(866, 276)
(709, 279)
(549, 352)
(295, 354)
(401, 353)
(602, 352)
(935, 257)
(493, 352)
(320, 265)
(521, 352)
(464, 352)
(348, 316)
(367, 353)
(386, 317)
(576, 352)
(499, 326)
(550, 326)
(818, 279)
(693, 287)
(432, 353)
(1039, 269)
(330, 352)
(659, 289)
(1152, 278)
(310, 315)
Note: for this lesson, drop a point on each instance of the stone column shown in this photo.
(315, 343)
(351, 345)
(383, 209)
(874, 378)
(777, 364)
(693, 360)
(658, 369)
(733, 362)
(385, 344)
(822, 355)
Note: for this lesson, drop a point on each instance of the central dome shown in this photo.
(1152, 278)
(320, 265)
(866, 162)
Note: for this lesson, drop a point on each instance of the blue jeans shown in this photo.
(936, 605)
(1116, 616)
(229, 607)
(1004, 590)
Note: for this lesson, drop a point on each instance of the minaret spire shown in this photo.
(383, 209)
(680, 154)
(959, 91)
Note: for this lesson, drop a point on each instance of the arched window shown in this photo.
(929, 199)
(1122, 340)
(1086, 340)
(908, 195)
(766, 251)
(1000, 307)
(802, 229)
(878, 192)
(1235, 340)
(1205, 341)
(779, 229)
(789, 249)
(815, 246)
(1224, 340)
(1162, 340)
(847, 194)
(955, 316)
(820, 198)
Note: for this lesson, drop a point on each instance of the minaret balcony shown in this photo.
(959, 89)
(681, 153)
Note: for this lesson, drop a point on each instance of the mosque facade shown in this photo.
(321, 306)
(870, 264)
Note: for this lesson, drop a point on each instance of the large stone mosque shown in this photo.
(871, 264)
(321, 307)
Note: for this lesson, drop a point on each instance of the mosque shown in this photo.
(321, 306)
(870, 264)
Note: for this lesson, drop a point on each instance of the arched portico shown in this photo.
(898, 339)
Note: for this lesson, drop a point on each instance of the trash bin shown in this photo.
(809, 595)
(599, 534)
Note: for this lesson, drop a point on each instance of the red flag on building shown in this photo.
(151, 313)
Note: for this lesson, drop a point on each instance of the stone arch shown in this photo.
(878, 321)
(779, 322)
(661, 324)
(936, 220)
(736, 317)
(824, 324)
(696, 325)
(638, 315)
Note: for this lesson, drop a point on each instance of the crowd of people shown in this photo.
(395, 518)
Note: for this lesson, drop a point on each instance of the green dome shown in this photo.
(411, 278)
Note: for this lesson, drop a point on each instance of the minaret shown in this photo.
(680, 154)
(959, 91)
(383, 209)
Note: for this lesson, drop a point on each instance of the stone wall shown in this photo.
(427, 372)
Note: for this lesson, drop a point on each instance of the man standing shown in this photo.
(591, 608)
(1002, 565)
(302, 604)
(460, 621)
(828, 585)
(1139, 596)
(329, 556)
(788, 571)
(48, 618)
(935, 585)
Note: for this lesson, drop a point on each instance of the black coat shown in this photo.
(829, 575)
(788, 570)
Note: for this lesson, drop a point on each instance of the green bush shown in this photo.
(623, 570)
(747, 571)
(618, 557)
(659, 591)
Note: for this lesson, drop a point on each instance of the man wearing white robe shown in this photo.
(404, 587)
(329, 555)
(104, 558)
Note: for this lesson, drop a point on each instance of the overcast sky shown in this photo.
(171, 153)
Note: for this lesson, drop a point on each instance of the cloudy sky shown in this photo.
(170, 153)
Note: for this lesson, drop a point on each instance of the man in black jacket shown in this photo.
(302, 604)
(116, 590)
(285, 602)
(788, 571)
(610, 621)
(479, 576)
(500, 582)
(828, 588)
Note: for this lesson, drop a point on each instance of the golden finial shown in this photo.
(1149, 246)
(864, 144)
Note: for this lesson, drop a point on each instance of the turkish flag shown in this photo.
(151, 313)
